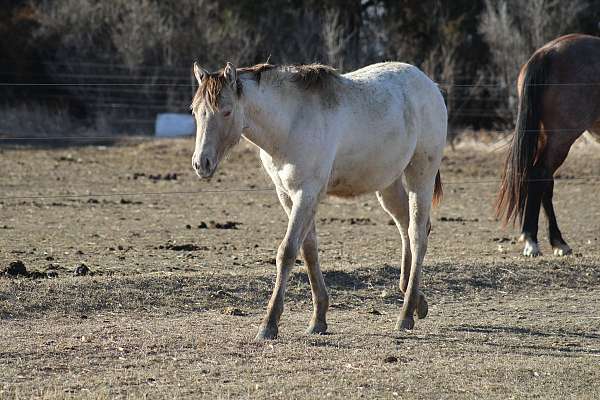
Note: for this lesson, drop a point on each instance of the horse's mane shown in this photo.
(314, 77)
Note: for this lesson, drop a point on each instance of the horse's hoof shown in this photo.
(531, 250)
(562, 250)
(317, 328)
(422, 308)
(405, 324)
(266, 333)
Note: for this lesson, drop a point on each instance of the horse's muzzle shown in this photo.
(205, 166)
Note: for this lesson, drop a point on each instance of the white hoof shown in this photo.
(562, 250)
(531, 248)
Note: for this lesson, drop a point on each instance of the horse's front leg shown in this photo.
(301, 217)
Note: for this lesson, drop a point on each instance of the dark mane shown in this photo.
(311, 76)
(306, 77)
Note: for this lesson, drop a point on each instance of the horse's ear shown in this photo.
(199, 72)
(230, 73)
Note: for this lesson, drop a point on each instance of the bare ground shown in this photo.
(179, 283)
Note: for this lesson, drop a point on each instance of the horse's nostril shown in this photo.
(206, 164)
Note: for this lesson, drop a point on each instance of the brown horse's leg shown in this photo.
(538, 180)
(557, 242)
(555, 153)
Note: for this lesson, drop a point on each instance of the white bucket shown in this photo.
(173, 124)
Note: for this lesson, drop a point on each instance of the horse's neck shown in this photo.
(267, 118)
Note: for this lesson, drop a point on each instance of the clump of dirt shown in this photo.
(69, 158)
(169, 176)
(182, 247)
(350, 221)
(217, 225)
(16, 268)
(457, 219)
(81, 270)
(127, 201)
(234, 311)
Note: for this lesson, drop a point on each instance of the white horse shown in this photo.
(321, 133)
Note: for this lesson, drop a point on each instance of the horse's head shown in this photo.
(219, 117)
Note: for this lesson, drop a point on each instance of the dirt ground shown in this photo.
(179, 282)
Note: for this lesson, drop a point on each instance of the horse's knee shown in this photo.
(286, 254)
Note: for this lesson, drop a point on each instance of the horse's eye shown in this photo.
(226, 113)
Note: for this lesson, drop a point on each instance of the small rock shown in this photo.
(390, 359)
(81, 270)
(16, 268)
(233, 311)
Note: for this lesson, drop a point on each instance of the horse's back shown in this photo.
(390, 112)
(571, 65)
(400, 89)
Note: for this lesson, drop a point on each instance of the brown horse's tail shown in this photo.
(438, 192)
(510, 204)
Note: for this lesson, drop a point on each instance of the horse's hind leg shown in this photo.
(560, 247)
(320, 297)
(420, 180)
(538, 180)
(540, 188)
(555, 154)
(394, 201)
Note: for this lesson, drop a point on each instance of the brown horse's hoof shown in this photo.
(422, 307)
(317, 328)
(531, 249)
(405, 324)
(266, 333)
(562, 250)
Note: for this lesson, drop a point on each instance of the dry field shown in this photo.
(179, 283)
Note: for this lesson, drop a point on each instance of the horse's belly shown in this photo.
(350, 179)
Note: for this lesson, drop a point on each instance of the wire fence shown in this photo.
(592, 179)
(108, 91)
(128, 99)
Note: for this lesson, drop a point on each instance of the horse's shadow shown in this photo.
(522, 331)
(359, 278)
(522, 347)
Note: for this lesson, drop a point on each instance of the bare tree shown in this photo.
(336, 40)
(514, 29)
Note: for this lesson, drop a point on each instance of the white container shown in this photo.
(173, 124)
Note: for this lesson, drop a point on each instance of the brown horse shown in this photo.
(559, 99)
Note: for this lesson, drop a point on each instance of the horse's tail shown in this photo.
(438, 192)
(510, 204)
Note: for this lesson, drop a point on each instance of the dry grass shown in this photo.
(160, 323)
